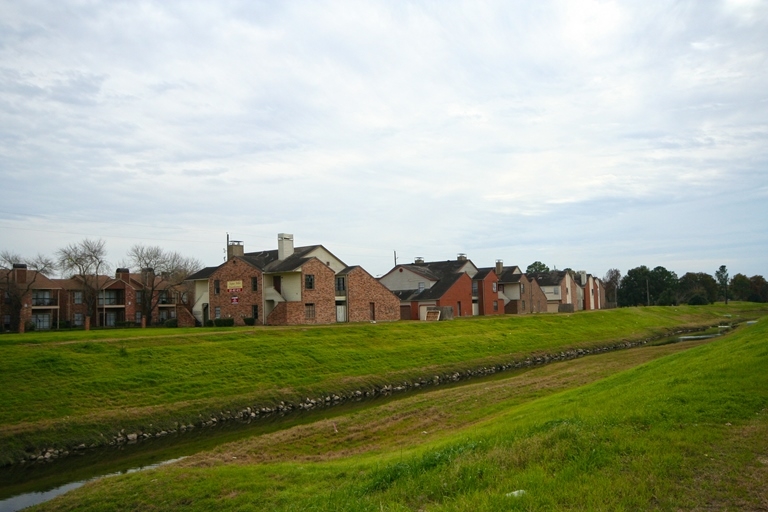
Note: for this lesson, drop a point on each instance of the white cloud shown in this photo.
(379, 126)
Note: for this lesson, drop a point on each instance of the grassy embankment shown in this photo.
(61, 389)
(688, 431)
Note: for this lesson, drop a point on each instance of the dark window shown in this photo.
(139, 297)
(255, 312)
(309, 282)
(373, 311)
(341, 284)
(254, 284)
(523, 305)
(78, 299)
(216, 287)
(522, 288)
(309, 311)
(495, 305)
(474, 287)
(217, 313)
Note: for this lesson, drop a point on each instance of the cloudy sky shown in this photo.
(584, 134)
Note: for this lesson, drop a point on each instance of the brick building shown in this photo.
(28, 298)
(561, 290)
(289, 286)
(455, 284)
(519, 293)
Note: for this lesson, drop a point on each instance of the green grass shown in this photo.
(687, 431)
(62, 388)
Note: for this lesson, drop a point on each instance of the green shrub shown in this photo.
(209, 323)
(698, 300)
(249, 320)
(29, 326)
(171, 322)
(224, 322)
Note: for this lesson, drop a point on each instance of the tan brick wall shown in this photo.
(362, 290)
(532, 299)
(236, 269)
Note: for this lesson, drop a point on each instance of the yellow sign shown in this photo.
(234, 286)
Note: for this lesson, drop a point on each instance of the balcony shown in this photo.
(43, 302)
(111, 301)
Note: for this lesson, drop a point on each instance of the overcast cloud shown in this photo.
(584, 134)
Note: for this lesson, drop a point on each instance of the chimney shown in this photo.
(148, 274)
(461, 257)
(122, 273)
(284, 245)
(499, 267)
(20, 273)
(418, 260)
(235, 248)
(583, 277)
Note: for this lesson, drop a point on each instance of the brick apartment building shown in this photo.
(289, 286)
(457, 287)
(519, 293)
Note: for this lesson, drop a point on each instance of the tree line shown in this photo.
(643, 286)
(86, 263)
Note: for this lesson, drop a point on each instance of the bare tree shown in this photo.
(611, 282)
(162, 272)
(85, 261)
(18, 279)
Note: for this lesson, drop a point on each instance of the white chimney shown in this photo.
(284, 245)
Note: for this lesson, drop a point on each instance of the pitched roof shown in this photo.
(552, 278)
(482, 273)
(267, 260)
(202, 274)
(433, 293)
(436, 270)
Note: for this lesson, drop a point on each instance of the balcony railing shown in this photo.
(43, 301)
(110, 301)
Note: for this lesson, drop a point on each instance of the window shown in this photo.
(41, 321)
(474, 287)
(6, 322)
(139, 297)
(217, 312)
(109, 298)
(309, 282)
(341, 284)
(495, 305)
(137, 317)
(79, 320)
(523, 305)
(556, 291)
(372, 306)
(254, 284)
(216, 288)
(77, 297)
(255, 312)
(42, 298)
(309, 311)
(421, 286)
(162, 297)
(522, 288)
(494, 287)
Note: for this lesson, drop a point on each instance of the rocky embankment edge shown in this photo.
(282, 408)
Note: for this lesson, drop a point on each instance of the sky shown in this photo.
(584, 134)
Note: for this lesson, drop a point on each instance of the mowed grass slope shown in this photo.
(688, 431)
(64, 388)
